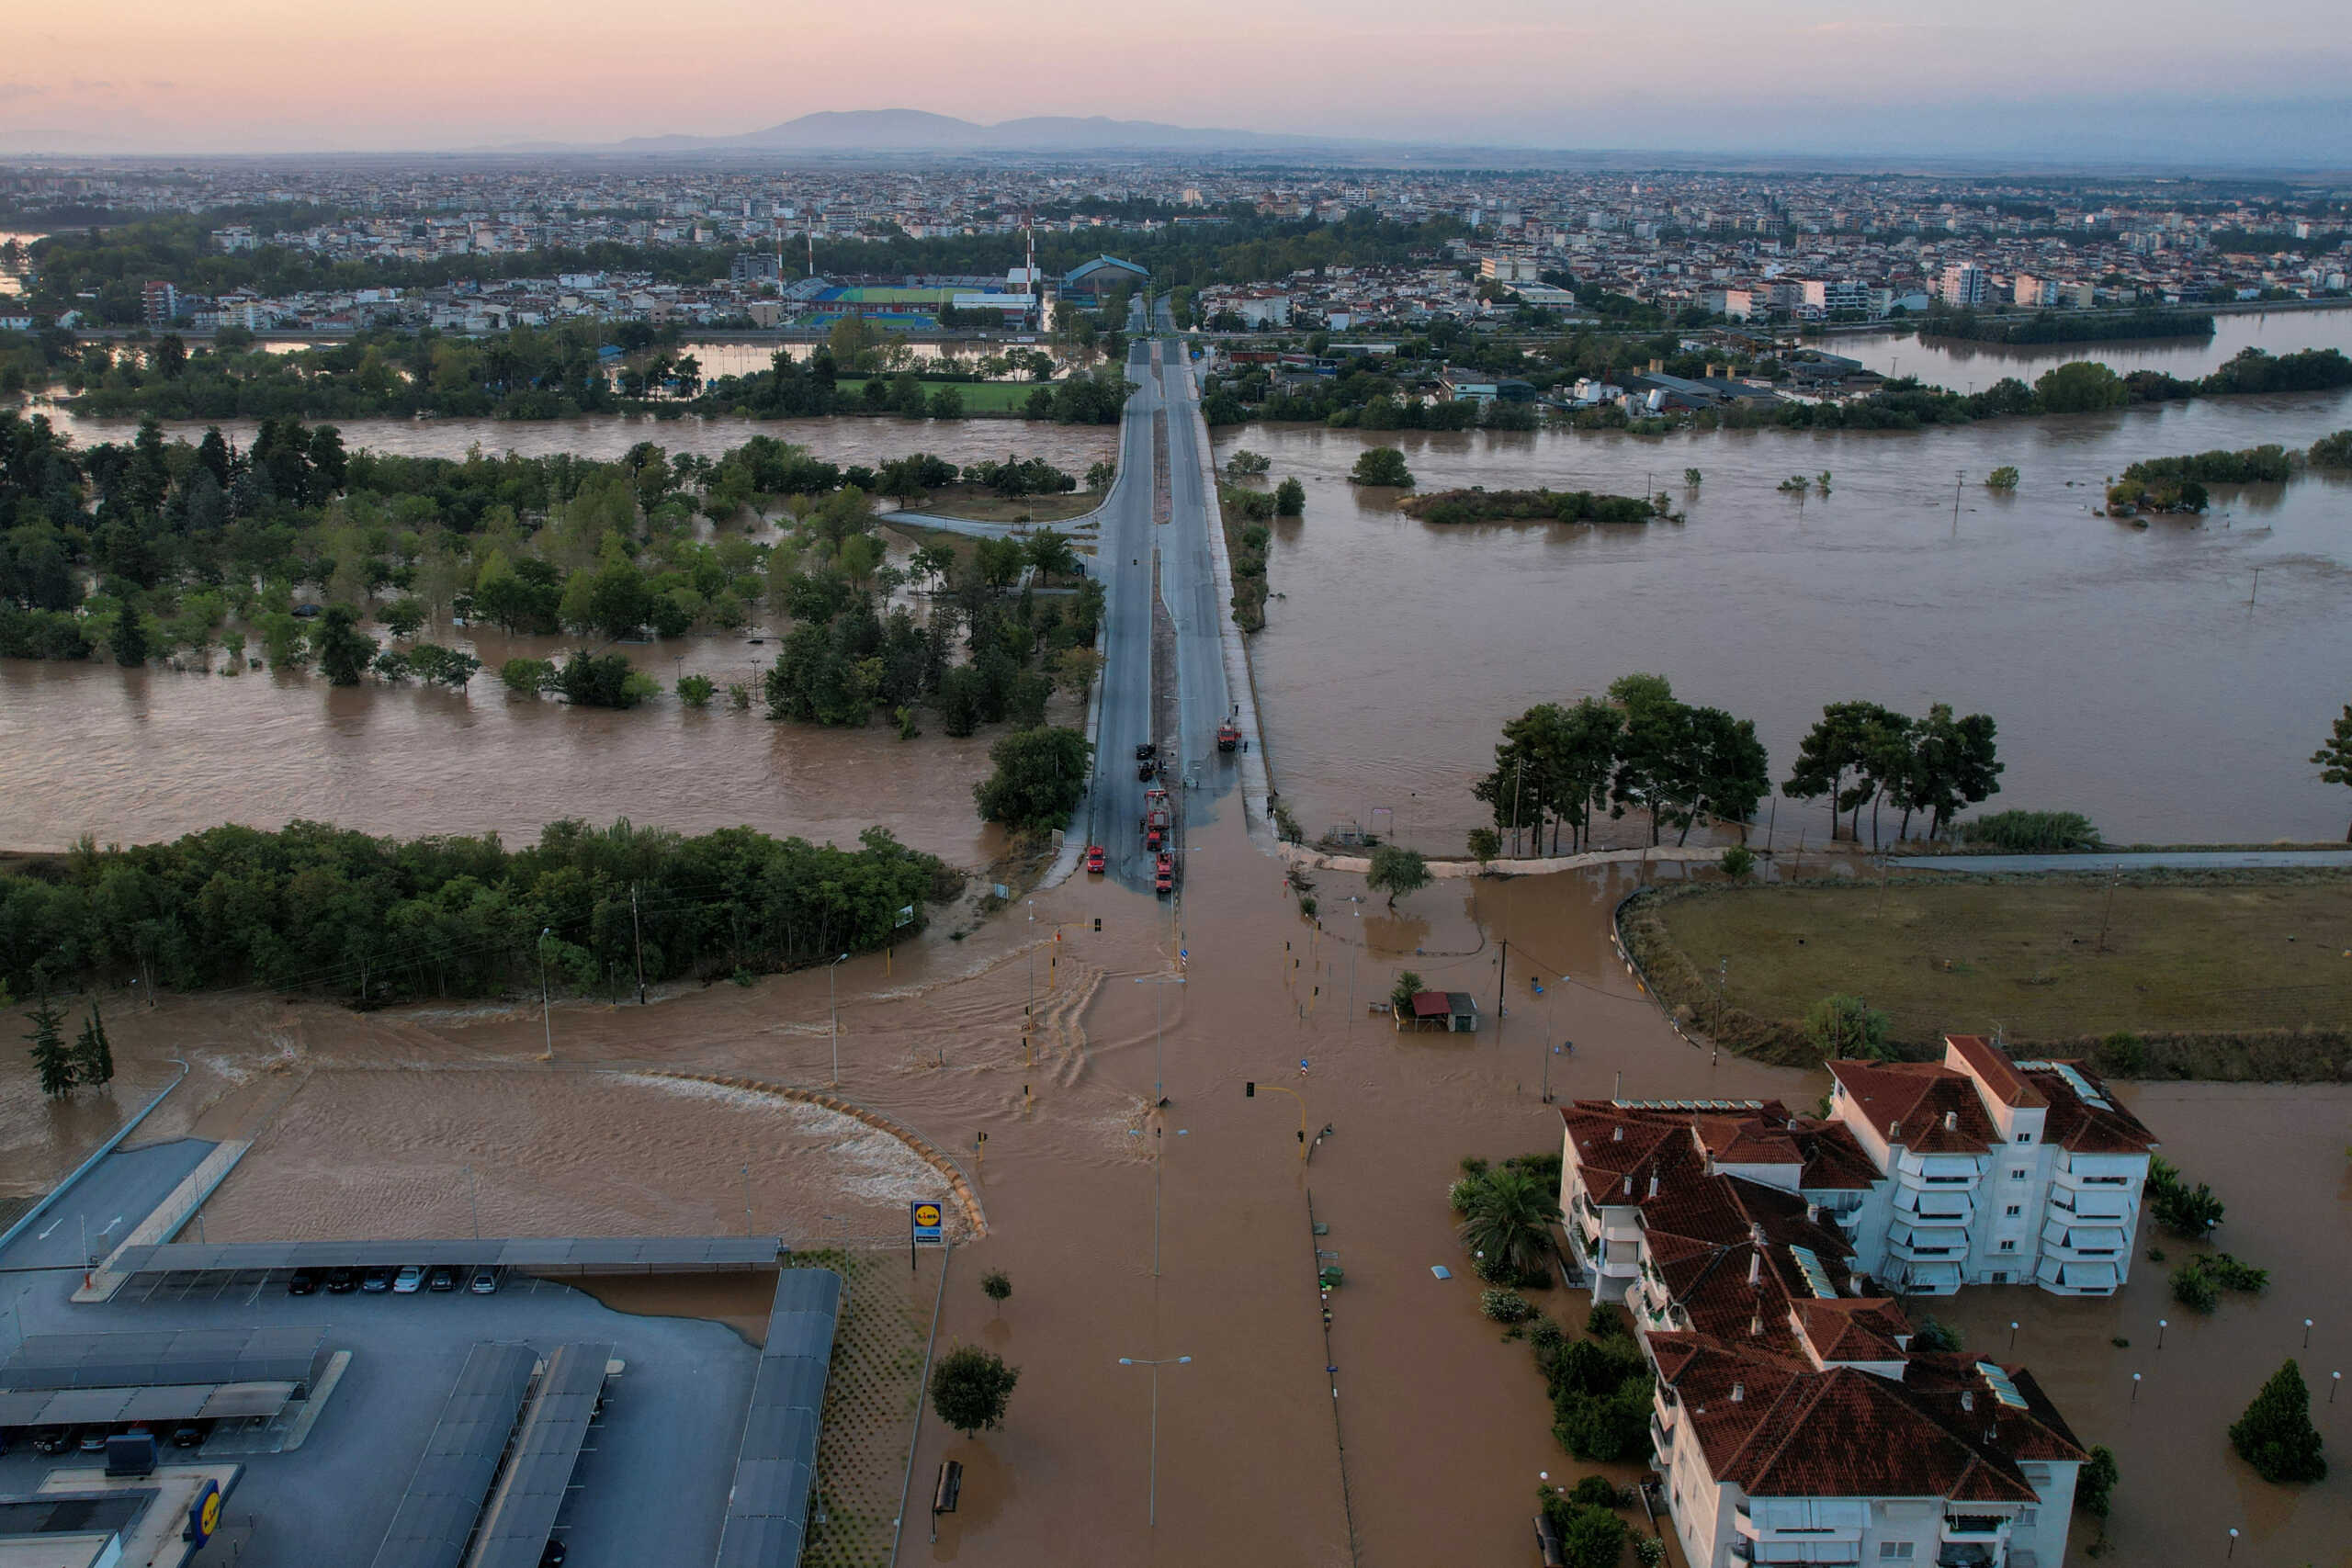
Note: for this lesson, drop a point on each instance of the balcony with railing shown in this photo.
(1919, 1209)
(1944, 1245)
(2082, 1240)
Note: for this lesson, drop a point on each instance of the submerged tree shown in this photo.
(2276, 1435)
(51, 1060)
(2333, 759)
(971, 1388)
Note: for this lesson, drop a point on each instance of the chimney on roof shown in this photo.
(1756, 1326)
(1812, 1213)
(1951, 1120)
(1653, 1183)
(1967, 1399)
(1894, 1131)
(1754, 1266)
(1738, 1391)
(1629, 1187)
(1617, 1134)
(1756, 1232)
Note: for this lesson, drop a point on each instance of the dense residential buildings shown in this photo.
(1790, 247)
(1796, 1417)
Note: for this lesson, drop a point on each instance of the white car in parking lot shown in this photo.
(409, 1279)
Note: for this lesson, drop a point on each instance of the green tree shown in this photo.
(51, 1060)
(695, 690)
(2003, 477)
(971, 1388)
(345, 651)
(1839, 1025)
(129, 637)
(996, 1285)
(1400, 995)
(1290, 498)
(529, 676)
(2081, 386)
(1382, 466)
(2333, 759)
(1040, 779)
(93, 1054)
(2276, 1435)
(1850, 738)
(2094, 1485)
(405, 615)
(1507, 1219)
(1483, 845)
(1397, 871)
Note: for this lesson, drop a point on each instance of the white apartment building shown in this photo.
(1993, 1172)
(1508, 269)
(1965, 285)
(1792, 1421)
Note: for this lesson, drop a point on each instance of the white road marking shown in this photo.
(52, 1225)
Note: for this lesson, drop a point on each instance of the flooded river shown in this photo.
(1968, 366)
(2131, 677)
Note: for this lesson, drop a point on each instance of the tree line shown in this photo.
(325, 911)
(1640, 748)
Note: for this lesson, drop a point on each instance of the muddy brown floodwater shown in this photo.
(2131, 677)
(1146, 1232)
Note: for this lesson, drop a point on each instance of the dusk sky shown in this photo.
(2052, 78)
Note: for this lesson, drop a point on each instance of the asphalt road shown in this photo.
(1113, 814)
(104, 1206)
(2128, 860)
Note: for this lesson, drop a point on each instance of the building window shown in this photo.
(1896, 1551)
(2026, 1518)
(2025, 1138)
(2009, 1247)
(2014, 1210)
(2000, 1276)
(2019, 1175)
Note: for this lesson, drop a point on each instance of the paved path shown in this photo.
(2149, 860)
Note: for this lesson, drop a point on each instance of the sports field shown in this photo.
(979, 397)
(2042, 959)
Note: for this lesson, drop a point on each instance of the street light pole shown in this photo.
(473, 1201)
(1151, 1515)
(1159, 1078)
(833, 1004)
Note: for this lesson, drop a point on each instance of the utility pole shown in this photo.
(2257, 587)
(747, 1202)
(547, 1025)
(1500, 970)
(1958, 477)
(637, 932)
(473, 1199)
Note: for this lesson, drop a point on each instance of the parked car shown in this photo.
(376, 1279)
(341, 1281)
(409, 1279)
(52, 1440)
(553, 1554)
(485, 1282)
(191, 1435)
(93, 1441)
(305, 1282)
(441, 1277)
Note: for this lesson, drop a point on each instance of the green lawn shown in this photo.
(979, 397)
(1939, 955)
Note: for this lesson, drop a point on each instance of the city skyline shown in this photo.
(2258, 85)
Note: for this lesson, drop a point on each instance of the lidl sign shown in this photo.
(928, 1223)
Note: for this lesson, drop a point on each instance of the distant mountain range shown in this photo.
(914, 130)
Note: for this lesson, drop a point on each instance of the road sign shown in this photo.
(905, 916)
(927, 1223)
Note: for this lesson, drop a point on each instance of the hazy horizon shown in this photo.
(2262, 83)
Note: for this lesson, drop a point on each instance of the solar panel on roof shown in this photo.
(1998, 1381)
(1816, 1278)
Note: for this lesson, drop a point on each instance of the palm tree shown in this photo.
(1507, 1220)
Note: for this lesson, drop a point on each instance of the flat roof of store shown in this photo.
(767, 1511)
(578, 1254)
(170, 1402)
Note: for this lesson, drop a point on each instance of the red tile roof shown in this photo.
(1990, 1063)
(2076, 1124)
(1777, 1428)
(1927, 1109)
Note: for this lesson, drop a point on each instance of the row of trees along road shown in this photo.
(1641, 749)
(1861, 753)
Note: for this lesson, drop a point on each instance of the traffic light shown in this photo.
(1098, 922)
(1250, 1091)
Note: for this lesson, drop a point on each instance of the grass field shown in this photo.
(979, 397)
(987, 506)
(2204, 959)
